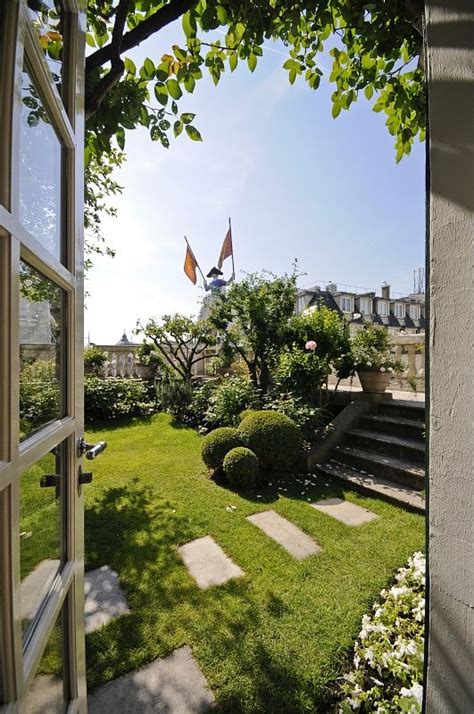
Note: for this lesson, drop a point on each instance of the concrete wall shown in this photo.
(450, 66)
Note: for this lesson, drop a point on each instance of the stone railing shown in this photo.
(122, 361)
(409, 349)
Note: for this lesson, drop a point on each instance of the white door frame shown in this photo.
(19, 658)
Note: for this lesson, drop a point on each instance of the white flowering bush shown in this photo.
(388, 653)
(371, 350)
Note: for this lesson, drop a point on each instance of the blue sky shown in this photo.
(296, 183)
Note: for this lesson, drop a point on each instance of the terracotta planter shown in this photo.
(373, 381)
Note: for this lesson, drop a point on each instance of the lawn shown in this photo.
(274, 640)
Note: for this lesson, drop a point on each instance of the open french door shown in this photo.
(42, 663)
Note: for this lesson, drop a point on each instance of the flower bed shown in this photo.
(388, 654)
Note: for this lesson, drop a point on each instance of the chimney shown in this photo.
(331, 288)
(386, 291)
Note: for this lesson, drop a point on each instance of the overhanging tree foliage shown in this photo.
(375, 48)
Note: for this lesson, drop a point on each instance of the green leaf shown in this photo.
(222, 15)
(189, 84)
(174, 90)
(164, 124)
(336, 110)
(130, 65)
(189, 24)
(292, 76)
(161, 93)
(148, 68)
(174, 107)
(144, 116)
(252, 62)
(162, 71)
(187, 117)
(193, 133)
(369, 91)
(178, 127)
(90, 40)
(233, 59)
(120, 136)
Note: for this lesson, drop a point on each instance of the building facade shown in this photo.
(401, 314)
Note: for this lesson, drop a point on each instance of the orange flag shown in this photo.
(190, 265)
(227, 249)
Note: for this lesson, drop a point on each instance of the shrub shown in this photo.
(94, 359)
(388, 654)
(241, 468)
(307, 418)
(217, 444)
(246, 413)
(303, 372)
(229, 399)
(175, 396)
(273, 437)
(39, 394)
(113, 398)
(200, 402)
(328, 329)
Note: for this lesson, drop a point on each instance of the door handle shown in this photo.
(91, 451)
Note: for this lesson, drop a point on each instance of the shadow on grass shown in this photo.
(299, 487)
(137, 533)
(93, 425)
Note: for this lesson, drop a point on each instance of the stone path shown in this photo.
(207, 562)
(173, 685)
(104, 598)
(345, 511)
(290, 537)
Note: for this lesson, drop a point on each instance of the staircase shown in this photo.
(385, 455)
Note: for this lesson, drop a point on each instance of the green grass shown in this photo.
(272, 641)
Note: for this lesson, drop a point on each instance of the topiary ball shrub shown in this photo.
(273, 437)
(241, 468)
(217, 444)
(246, 412)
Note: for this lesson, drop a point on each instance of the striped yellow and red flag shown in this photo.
(227, 249)
(190, 264)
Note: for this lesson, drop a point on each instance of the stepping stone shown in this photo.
(35, 587)
(172, 685)
(345, 511)
(207, 563)
(298, 544)
(104, 598)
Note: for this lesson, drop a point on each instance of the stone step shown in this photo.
(397, 446)
(410, 428)
(403, 408)
(402, 471)
(374, 486)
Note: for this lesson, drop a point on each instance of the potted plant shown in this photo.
(372, 359)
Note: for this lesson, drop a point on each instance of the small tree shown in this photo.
(178, 343)
(252, 320)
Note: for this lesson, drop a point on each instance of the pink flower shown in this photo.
(311, 345)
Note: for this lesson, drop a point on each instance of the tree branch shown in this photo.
(110, 79)
(162, 17)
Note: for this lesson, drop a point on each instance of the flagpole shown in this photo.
(232, 242)
(197, 264)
